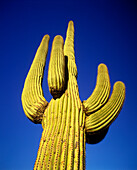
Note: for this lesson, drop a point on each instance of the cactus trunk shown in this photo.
(62, 144)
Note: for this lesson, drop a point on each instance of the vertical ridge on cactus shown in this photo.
(67, 122)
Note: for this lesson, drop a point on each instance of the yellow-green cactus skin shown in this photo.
(67, 122)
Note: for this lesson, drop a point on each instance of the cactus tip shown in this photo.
(102, 67)
(46, 37)
(71, 22)
(58, 37)
(120, 84)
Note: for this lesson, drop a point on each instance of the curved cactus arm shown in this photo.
(32, 97)
(101, 92)
(56, 72)
(101, 119)
(69, 49)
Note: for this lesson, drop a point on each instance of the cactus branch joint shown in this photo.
(68, 123)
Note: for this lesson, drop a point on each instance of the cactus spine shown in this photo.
(67, 122)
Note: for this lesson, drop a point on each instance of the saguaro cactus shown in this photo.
(67, 122)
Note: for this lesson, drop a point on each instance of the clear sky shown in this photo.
(105, 31)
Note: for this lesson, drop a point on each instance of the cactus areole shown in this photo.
(68, 123)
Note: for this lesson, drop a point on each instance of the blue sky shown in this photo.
(105, 31)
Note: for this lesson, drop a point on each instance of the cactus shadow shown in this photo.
(97, 137)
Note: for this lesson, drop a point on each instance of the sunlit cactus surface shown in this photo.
(68, 123)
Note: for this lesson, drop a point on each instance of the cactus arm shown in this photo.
(69, 49)
(101, 92)
(56, 73)
(102, 118)
(32, 97)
